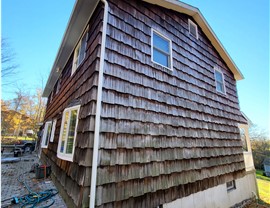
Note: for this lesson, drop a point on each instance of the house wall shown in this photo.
(73, 178)
(164, 134)
(218, 196)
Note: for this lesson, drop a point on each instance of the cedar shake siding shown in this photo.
(74, 177)
(164, 134)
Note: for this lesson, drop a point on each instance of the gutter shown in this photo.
(98, 111)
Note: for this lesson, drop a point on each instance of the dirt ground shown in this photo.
(19, 168)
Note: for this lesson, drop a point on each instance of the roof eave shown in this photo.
(81, 13)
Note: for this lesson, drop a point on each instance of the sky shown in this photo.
(34, 30)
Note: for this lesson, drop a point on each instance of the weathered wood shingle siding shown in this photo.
(164, 134)
(74, 177)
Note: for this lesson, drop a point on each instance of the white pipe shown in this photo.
(98, 109)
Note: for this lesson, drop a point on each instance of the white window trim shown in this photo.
(190, 22)
(53, 130)
(223, 80)
(75, 64)
(152, 49)
(65, 156)
(43, 145)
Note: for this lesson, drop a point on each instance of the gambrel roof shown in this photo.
(82, 12)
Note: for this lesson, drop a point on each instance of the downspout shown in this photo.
(98, 109)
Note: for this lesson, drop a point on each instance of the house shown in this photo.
(143, 110)
(266, 166)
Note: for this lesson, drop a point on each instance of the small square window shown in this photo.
(79, 53)
(193, 29)
(231, 185)
(66, 145)
(161, 50)
(219, 79)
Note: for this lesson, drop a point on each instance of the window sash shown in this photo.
(161, 50)
(53, 130)
(219, 79)
(193, 29)
(47, 134)
(82, 50)
(79, 52)
(66, 145)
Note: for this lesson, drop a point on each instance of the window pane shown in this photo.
(71, 131)
(49, 128)
(161, 43)
(161, 58)
(220, 87)
(193, 30)
(64, 132)
(82, 49)
(76, 57)
(218, 76)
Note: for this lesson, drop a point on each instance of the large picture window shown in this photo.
(67, 138)
(161, 50)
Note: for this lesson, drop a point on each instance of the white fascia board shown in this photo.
(81, 13)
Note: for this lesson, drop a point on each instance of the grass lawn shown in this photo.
(264, 187)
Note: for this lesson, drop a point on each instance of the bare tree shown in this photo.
(260, 144)
(9, 67)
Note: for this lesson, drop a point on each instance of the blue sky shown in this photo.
(34, 29)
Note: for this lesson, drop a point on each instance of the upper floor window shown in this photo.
(79, 53)
(220, 85)
(68, 133)
(58, 85)
(193, 30)
(161, 50)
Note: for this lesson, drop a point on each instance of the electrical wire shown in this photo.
(33, 198)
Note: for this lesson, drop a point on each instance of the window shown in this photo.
(58, 85)
(67, 138)
(161, 50)
(230, 185)
(220, 86)
(47, 134)
(193, 30)
(53, 130)
(243, 139)
(79, 53)
(51, 97)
